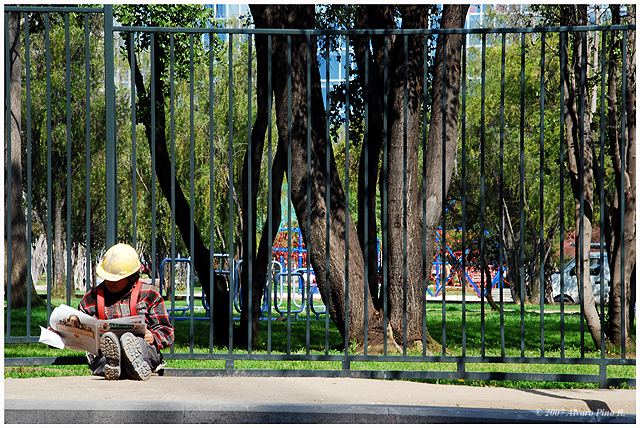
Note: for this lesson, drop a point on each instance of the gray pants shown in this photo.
(149, 354)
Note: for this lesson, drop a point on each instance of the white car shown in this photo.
(571, 294)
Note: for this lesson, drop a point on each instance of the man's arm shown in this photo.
(158, 323)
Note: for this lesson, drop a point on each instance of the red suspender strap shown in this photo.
(100, 303)
(135, 292)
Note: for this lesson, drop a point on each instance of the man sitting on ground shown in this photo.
(122, 294)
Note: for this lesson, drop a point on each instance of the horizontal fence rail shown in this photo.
(250, 111)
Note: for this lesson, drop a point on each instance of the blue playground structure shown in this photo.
(288, 291)
(455, 278)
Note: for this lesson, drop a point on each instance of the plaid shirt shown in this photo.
(150, 304)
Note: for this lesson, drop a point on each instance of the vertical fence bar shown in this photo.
(404, 198)
(172, 197)
(69, 140)
(308, 219)
(27, 58)
(289, 207)
(346, 190)
(623, 128)
(134, 156)
(231, 193)
(601, 185)
(87, 55)
(49, 189)
(501, 198)
(580, 264)
(212, 276)
(365, 147)
(250, 251)
(522, 161)
(425, 266)
(482, 203)
(8, 69)
(464, 196)
(563, 58)
(443, 244)
(541, 244)
(270, 188)
(384, 176)
(192, 161)
(152, 86)
(110, 131)
(328, 194)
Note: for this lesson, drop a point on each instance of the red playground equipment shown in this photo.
(472, 277)
(298, 257)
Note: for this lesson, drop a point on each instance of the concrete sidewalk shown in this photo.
(89, 399)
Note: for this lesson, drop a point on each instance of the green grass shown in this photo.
(198, 343)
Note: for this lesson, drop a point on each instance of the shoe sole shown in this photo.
(110, 347)
(133, 353)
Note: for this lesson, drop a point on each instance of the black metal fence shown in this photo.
(110, 194)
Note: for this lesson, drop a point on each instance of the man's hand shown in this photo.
(148, 337)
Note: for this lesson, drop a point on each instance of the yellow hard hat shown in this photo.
(119, 262)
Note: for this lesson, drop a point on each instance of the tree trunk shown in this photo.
(579, 145)
(405, 281)
(534, 273)
(200, 259)
(548, 267)
(348, 318)
(631, 169)
(59, 265)
(20, 264)
(259, 264)
(377, 17)
(628, 171)
(453, 16)
(512, 258)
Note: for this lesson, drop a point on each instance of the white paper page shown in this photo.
(52, 338)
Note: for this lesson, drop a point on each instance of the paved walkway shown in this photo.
(166, 399)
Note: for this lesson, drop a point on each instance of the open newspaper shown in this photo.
(79, 331)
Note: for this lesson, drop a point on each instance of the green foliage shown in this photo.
(50, 126)
(509, 133)
(206, 106)
(168, 16)
(503, 140)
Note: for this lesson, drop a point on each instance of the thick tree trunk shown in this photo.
(20, 264)
(453, 16)
(378, 17)
(293, 127)
(405, 282)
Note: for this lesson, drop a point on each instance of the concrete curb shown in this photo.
(22, 411)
